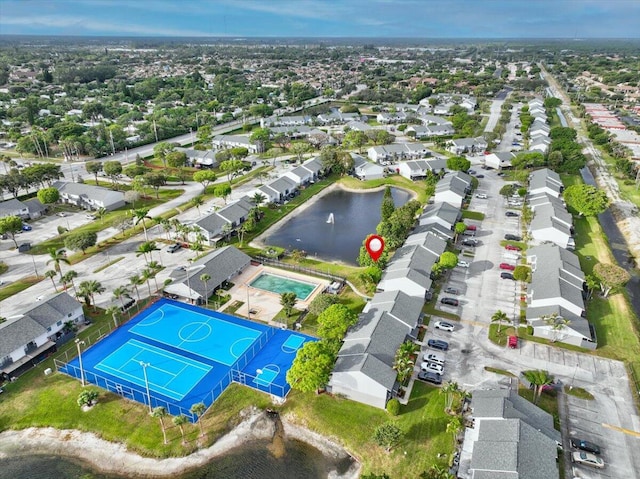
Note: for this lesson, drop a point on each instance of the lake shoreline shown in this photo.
(114, 458)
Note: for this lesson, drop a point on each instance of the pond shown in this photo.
(334, 226)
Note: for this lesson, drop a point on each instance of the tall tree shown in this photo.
(205, 177)
(587, 200)
(56, 257)
(147, 248)
(120, 293)
(11, 225)
(311, 367)
(205, 278)
(113, 169)
(94, 168)
(198, 201)
(610, 276)
(199, 409)
(539, 379)
(231, 168)
(81, 240)
(388, 206)
(500, 317)
(140, 216)
(288, 301)
(51, 274)
(88, 289)
(68, 278)
(334, 322)
(180, 421)
(160, 412)
(113, 311)
(557, 324)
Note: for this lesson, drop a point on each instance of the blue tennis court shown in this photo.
(175, 355)
(198, 333)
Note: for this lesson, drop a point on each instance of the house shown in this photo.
(545, 181)
(36, 208)
(221, 142)
(358, 126)
(222, 265)
(442, 213)
(396, 117)
(509, 438)
(336, 117)
(499, 160)
(552, 223)
(89, 197)
(429, 120)
(461, 146)
(294, 120)
(409, 271)
(219, 224)
(38, 330)
(420, 169)
(364, 369)
(558, 290)
(200, 158)
(398, 151)
(14, 207)
(364, 169)
(453, 188)
(420, 231)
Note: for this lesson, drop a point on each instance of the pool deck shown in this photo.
(265, 305)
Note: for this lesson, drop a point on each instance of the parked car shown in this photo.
(445, 326)
(438, 344)
(174, 247)
(505, 275)
(512, 247)
(26, 227)
(511, 214)
(507, 266)
(472, 227)
(464, 264)
(588, 459)
(585, 445)
(469, 242)
(427, 376)
(512, 255)
(450, 290)
(510, 237)
(513, 342)
(450, 301)
(472, 172)
(482, 196)
(89, 216)
(479, 176)
(501, 173)
(62, 214)
(437, 358)
(432, 367)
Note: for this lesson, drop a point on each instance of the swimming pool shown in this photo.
(279, 284)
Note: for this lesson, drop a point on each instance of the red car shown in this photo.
(472, 227)
(512, 247)
(513, 342)
(507, 266)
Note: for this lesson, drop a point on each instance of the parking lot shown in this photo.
(610, 420)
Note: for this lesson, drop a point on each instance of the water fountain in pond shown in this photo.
(330, 218)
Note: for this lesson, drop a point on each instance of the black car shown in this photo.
(450, 301)
(438, 344)
(479, 176)
(505, 275)
(510, 237)
(430, 377)
(469, 242)
(585, 445)
(511, 214)
(174, 247)
(450, 290)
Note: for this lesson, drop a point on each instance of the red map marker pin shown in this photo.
(375, 246)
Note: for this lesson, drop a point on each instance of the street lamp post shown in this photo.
(146, 383)
(248, 304)
(187, 269)
(79, 343)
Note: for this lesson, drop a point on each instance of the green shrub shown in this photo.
(393, 407)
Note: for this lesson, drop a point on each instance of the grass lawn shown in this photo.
(472, 215)
(17, 286)
(500, 338)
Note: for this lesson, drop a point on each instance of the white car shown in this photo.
(481, 196)
(445, 326)
(432, 367)
(464, 264)
(588, 459)
(433, 358)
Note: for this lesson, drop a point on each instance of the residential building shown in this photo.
(545, 181)
(499, 160)
(364, 169)
(14, 207)
(461, 146)
(453, 188)
(38, 330)
(89, 197)
(398, 151)
(221, 142)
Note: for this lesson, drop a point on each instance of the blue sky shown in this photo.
(325, 18)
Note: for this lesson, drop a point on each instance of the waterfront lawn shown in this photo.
(423, 422)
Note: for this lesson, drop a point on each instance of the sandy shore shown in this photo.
(114, 458)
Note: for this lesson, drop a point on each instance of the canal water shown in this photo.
(252, 460)
(335, 225)
(618, 247)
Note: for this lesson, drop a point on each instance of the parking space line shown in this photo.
(621, 429)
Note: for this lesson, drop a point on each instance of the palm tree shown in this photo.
(100, 213)
(166, 226)
(404, 360)
(557, 323)
(454, 425)
(114, 311)
(198, 201)
(136, 281)
(199, 409)
(120, 293)
(57, 257)
(258, 198)
(451, 389)
(155, 268)
(539, 379)
(139, 216)
(147, 248)
(160, 412)
(204, 277)
(146, 275)
(500, 317)
(68, 278)
(51, 274)
(88, 290)
(180, 421)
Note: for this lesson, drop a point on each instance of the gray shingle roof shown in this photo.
(96, 193)
(10, 206)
